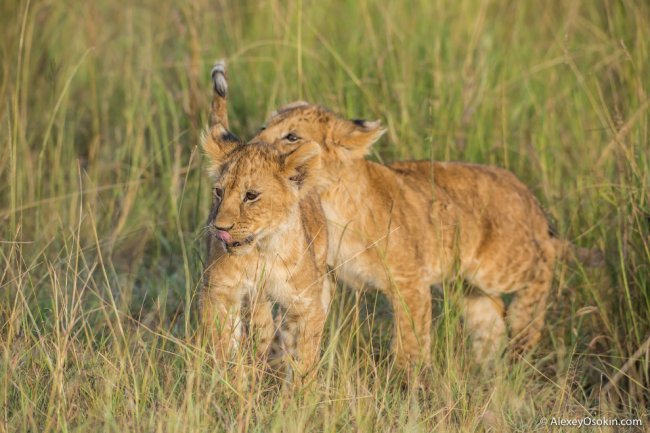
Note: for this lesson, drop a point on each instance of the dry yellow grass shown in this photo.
(103, 199)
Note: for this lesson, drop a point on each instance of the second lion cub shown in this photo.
(403, 227)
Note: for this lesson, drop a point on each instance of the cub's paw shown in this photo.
(219, 81)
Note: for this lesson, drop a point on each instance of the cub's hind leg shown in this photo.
(525, 314)
(484, 322)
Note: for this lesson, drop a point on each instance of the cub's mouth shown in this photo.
(233, 245)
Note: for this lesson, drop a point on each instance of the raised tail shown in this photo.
(219, 107)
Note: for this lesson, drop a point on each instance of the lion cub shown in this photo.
(403, 227)
(268, 237)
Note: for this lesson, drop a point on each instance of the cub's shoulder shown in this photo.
(314, 224)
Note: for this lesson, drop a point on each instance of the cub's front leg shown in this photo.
(304, 322)
(220, 306)
(306, 328)
(257, 315)
(220, 319)
(411, 302)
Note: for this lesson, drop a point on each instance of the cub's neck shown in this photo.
(288, 235)
(352, 183)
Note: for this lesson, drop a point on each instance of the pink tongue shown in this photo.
(224, 236)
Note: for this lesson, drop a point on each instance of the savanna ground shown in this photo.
(103, 199)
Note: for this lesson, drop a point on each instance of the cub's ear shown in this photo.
(218, 143)
(301, 165)
(356, 136)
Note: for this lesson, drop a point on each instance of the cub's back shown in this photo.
(480, 190)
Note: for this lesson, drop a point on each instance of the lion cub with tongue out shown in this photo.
(268, 239)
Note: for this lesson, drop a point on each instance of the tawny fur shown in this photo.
(271, 247)
(403, 227)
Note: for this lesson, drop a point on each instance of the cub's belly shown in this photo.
(363, 265)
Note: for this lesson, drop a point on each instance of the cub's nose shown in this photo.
(223, 228)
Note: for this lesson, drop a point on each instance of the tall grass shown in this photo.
(103, 198)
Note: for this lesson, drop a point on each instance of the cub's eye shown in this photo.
(291, 137)
(218, 193)
(251, 196)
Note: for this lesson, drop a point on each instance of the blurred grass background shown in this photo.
(103, 197)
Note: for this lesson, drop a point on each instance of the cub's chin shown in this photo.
(240, 249)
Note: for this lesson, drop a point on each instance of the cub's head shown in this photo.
(257, 187)
(341, 140)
